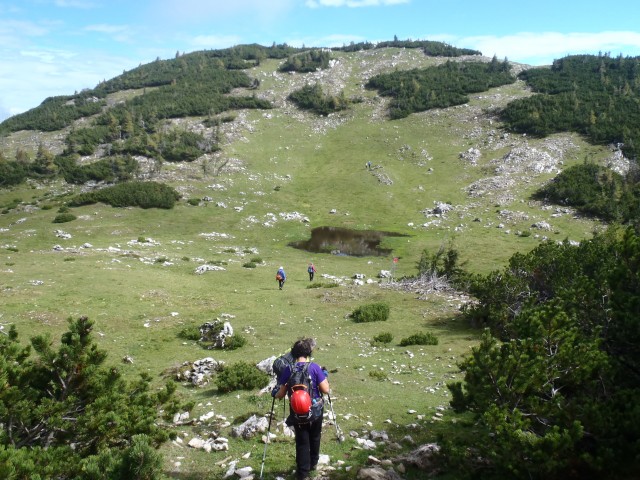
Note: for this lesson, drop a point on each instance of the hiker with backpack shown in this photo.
(304, 382)
(281, 277)
(312, 270)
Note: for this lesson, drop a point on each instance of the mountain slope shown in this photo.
(134, 271)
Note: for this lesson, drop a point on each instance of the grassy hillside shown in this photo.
(285, 161)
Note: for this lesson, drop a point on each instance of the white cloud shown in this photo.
(352, 3)
(119, 33)
(22, 28)
(39, 73)
(543, 48)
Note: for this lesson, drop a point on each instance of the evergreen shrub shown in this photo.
(423, 338)
(64, 218)
(382, 338)
(378, 375)
(234, 342)
(372, 312)
(241, 376)
(190, 332)
(131, 194)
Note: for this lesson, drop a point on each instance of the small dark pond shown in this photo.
(344, 241)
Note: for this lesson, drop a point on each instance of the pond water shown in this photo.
(344, 241)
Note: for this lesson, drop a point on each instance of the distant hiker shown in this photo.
(281, 277)
(304, 382)
(312, 270)
(369, 165)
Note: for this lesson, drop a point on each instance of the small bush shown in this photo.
(142, 240)
(249, 265)
(241, 376)
(419, 339)
(131, 194)
(194, 201)
(191, 332)
(256, 260)
(383, 338)
(63, 209)
(378, 375)
(161, 260)
(372, 312)
(13, 249)
(64, 218)
(234, 342)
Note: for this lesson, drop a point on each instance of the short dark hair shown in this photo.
(302, 348)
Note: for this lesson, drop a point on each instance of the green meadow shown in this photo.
(284, 166)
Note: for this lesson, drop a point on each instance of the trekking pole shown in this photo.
(339, 434)
(264, 455)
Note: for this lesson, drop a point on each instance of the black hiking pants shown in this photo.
(307, 447)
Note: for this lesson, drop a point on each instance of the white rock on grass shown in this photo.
(208, 268)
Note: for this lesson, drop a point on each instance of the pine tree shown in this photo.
(67, 396)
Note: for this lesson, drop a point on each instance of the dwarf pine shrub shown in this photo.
(190, 332)
(372, 312)
(130, 194)
(64, 218)
(241, 376)
(422, 338)
(234, 342)
(378, 375)
(383, 338)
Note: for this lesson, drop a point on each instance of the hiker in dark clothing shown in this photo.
(312, 270)
(308, 432)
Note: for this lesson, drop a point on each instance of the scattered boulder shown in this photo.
(211, 444)
(216, 333)
(541, 226)
(472, 155)
(377, 473)
(422, 457)
(266, 365)
(250, 427)
(200, 372)
(208, 268)
(441, 208)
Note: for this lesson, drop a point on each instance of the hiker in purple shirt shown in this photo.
(308, 431)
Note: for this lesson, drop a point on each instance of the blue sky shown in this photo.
(57, 47)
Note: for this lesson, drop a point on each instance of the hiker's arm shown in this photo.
(323, 386)
(282, 392)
